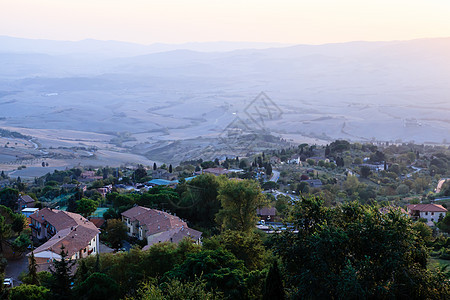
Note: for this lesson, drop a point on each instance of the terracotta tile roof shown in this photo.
(174, 235)
(427, 207)
(73, 230)
(98, 222)
(387, 209)
(154, 221)
(216, 171)
(57, 218)
(27, 199)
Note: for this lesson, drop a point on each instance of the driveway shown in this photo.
(15, 267)
(275, 176)
(105, 249)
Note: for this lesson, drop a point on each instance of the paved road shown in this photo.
(275, 176)
(126, 245)
(440, 184)
(105, 249)
(15, 267)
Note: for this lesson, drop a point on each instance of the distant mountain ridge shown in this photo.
(358, 91)
(117, 48)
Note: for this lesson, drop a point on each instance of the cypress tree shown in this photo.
(273, 288)
(32, 269)
(62, 278)
(97, 264)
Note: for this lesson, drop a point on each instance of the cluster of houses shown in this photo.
(157, 226)
(58, 228)
(80, 236)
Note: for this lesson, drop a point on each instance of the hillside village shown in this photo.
(91, 220)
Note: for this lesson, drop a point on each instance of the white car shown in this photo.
(8, 282)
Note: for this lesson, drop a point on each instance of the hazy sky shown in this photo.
(177, 21)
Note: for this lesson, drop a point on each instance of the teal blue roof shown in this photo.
(162, 182)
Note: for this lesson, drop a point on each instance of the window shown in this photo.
(426, 213)
(432, 213)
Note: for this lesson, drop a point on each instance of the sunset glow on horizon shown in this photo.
(177, 21)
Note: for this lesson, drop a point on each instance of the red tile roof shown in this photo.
(427, 207)
(387, 209)
(27, 199)
(216, 171)
(154, 220)
(73, 230)
(174, 235)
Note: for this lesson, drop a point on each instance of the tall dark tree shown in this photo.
(9, 197)
(97, 263)
(62, 278)
(269, 169)
(139, 173)
(82, 272)
(170, 169)
(365, 171)
(32, 270)
(273, 288)
(327, 151)
(154, 166)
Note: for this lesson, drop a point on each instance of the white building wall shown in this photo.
(431, 216)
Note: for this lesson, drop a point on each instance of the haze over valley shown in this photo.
(130, 103)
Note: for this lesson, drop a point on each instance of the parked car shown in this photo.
(8, 282)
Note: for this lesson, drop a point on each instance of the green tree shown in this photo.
(283, 204)
(86, 206)
(303, 187)
(20, 244)
(365, 171)
(29, 292)
(140, 173)
(61, 274)
(116, 232)
(5, 231)
(32, 269)
(18, 222)
(273, 288)
(174, 289)
(444, 224)
(354, 251)
(82, 272)
(199, 203)
(97, 286)
(402, 189)
(269, 169)
(219, 268)
(9, 197)
(424, 231)
(239, 200)
(247, 247)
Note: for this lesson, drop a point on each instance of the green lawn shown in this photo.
(434, 262)
(99, 212)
